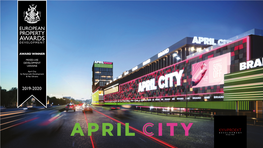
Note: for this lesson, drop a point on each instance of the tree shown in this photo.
(9, 98)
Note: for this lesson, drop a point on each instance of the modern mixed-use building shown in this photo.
(197, 73)
(102, 73)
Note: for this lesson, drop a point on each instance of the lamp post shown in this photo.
(186, 89)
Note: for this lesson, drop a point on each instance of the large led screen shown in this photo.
(211, 71)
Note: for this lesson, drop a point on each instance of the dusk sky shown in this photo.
(122, 32)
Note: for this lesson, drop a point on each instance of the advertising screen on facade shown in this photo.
(111, 90)
(95, 98)
(103, 65)
(211, 71)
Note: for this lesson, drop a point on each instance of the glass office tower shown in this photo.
(102, 73)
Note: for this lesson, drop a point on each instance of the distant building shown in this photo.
(88, 101)
(67, 97)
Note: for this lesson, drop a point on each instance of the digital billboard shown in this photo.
(103, 65)
(211, 71)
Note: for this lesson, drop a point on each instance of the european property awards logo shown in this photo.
(32, 16)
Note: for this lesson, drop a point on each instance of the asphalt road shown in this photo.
(201, 133)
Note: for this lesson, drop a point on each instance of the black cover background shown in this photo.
(238, 140)
(22, 80)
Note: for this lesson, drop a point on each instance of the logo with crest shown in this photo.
(32, 16)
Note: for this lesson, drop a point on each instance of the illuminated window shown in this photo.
(199, 49)
(103, 76)
(97, 72)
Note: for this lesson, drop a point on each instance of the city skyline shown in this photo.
(79, 33)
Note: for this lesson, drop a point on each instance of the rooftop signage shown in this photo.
(146, 62)
(136, 67)
(98, 62)
(102, 62)
(209, 41)
(163, 52)
(107, 63)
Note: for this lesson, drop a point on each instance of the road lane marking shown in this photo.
(91, 137)
(6, 112)
(11, 121)
(140, 132)
(142, 140)
(19, 123)
(10, 117)
(11, 113)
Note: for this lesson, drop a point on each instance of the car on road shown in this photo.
(87, 109)
(121, 111)
(44, 122)
(115, 107)
(70, 106)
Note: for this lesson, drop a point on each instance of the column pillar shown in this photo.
(237, 111)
